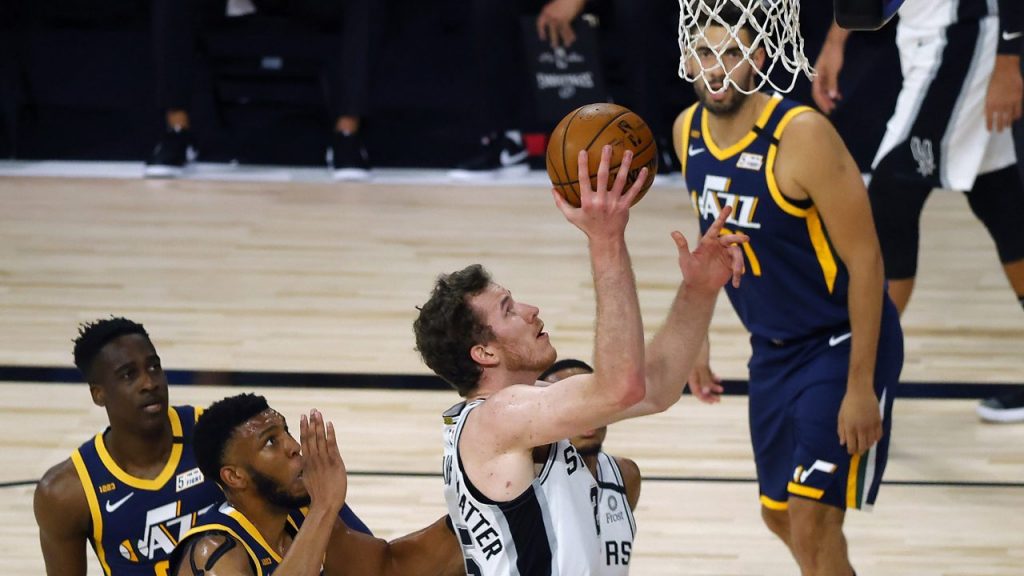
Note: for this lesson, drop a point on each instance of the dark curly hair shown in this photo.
(447, 328)
(93, 336)
(216, 426)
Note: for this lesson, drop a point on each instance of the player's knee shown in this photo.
(777, 521)
(997, 199)
(813, 526)
(896, 207)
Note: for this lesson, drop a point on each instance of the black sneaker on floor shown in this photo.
(1006, 408)
(668, 164)
(499, 156)
(347, 158)
(172, 153)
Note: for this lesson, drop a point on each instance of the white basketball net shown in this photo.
(775, 26)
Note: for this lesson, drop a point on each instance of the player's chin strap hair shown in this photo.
(1011, 26)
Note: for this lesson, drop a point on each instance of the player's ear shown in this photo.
(483, 355)
(233, 477)
(98, 394)
(759, 57)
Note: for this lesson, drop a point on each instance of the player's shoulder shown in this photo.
(61, 484)
(60, 499)
(210, 550)
(803, 123)
(630, 479)
(628, 467)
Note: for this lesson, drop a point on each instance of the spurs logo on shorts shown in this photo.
(921, 148)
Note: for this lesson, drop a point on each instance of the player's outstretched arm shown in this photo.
(673, 351)
(817, 162)
(520, 417)
(431, 551)
(62, 514)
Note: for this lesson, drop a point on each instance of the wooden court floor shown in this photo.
(307, 277)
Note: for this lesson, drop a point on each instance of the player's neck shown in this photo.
(141, 454)
(496, 379)
(727, 130)
(591, 461)
(271, 521)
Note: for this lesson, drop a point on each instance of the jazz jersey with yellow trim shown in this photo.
(795, 285)
(137, 522)
(228, 520)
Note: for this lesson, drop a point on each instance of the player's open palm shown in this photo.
(716, 259)
(860, 421)
(323, 470)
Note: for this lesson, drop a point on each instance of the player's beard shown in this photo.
(273, 493)
(517, 360)
(732, 104)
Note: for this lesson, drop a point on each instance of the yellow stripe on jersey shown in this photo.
(822, 250)
(773, 150)
(755, 264)
(684, 138)
(743, 142)
(801, 490)
(94, 509)
(254, 532)
(212, 527)
(773, 504)
(851, 482)
(142, 483)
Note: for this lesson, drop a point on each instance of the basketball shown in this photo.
(590, 128)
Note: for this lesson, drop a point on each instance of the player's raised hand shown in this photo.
(323, 470)
(604, 208)
(716, 259)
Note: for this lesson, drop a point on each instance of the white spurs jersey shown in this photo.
(618, 528)
(941, 13)
(549, 529)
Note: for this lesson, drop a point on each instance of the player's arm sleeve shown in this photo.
(1011, 27)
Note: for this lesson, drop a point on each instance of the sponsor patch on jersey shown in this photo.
(750, 161)
(188, 479)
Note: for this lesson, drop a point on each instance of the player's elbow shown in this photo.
(632, 391)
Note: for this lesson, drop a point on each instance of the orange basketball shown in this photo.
(590, 128)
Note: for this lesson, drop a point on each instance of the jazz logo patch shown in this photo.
(750, 161)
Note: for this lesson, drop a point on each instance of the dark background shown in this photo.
(77, 83)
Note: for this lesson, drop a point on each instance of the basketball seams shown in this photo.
(565, 133)
(582, 121)
(612, 169)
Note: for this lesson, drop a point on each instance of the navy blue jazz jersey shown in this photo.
(226, 519)
(794, 302)
(795, 285)
(136, 522)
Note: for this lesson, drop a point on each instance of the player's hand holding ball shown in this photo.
(589, 129)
